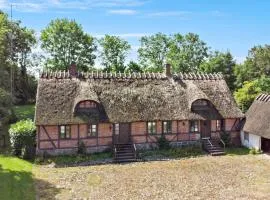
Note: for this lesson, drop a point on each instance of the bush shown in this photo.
(163, 143)
(254, 151)
(81, 148)
(23, 138)
(226, 138)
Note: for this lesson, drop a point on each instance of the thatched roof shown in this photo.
(258, 117)
(132, 97)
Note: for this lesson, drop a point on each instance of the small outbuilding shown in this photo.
(256, 131)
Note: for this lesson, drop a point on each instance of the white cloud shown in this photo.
(123, 12)
(124, 35)
(3, 4)
(44, 5)
(169, 14)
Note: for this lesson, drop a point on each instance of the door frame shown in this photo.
(117, 136)
(202, 128)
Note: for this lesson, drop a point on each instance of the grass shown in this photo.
(24, 111)
(16, 179)
(203, 177)
(233, 151)
(73, 159)
(184, 152)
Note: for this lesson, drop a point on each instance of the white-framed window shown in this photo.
(167, 127)
(116, 129)
(218, 125)
(92, 130)
(194, 126)
(64, 131)
(151, 127)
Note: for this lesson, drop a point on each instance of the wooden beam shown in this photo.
(50, 139)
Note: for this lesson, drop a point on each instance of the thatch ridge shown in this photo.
(258, 116)
(135, 75)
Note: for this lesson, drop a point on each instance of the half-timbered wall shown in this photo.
(48, 136)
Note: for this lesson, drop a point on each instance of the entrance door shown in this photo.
(122, 133)
(265, 145)
(205, 128)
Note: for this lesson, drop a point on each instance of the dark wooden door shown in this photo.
(122, 133)
(265, 144)
(205, 129)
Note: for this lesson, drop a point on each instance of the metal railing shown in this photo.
(135, 151)
(224, 145)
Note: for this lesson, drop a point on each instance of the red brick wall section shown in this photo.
(138, 128)
(104, 136)
(183, 126)
(105, 130)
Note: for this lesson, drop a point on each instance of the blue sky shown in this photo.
(234, 25)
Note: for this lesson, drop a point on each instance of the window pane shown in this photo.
(62, 129)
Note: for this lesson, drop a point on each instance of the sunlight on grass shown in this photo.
(16, 179)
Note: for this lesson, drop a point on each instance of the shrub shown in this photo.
(226, 138)
(81, 148)
(254, 151)
(163, 143)
(23, 138)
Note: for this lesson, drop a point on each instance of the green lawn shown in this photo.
(25, 111)
(16, 181)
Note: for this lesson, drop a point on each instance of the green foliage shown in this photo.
(163, 143)
(153, 51)
(24, 111)
(183, 152)
(221, 62)
(250, 90)
(256, 65)
(22, 136)
(234, 151)
(66, 42)
(226, 137)
(81, 148)
(255, 151)
(133, 67)
(74, 159)
(187, 52)
(114, 52)
(16, 179)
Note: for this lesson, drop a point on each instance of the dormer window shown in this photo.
(87, 104)
(200, 104)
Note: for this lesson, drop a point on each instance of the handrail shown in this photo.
(135, 149)
(224, 145)
(114, 151)
(210, 142)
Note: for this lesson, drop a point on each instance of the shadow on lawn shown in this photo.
(22, 185)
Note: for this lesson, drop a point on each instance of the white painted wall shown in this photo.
(253, 142)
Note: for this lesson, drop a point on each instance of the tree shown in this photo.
(16, 44)
(23, 41)
(221, 62)
(66, 42)
(256, 65)
(133, 67)
(250, 90)
(153, 52)
(187, 52)
(113, 53)
(246, 95)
